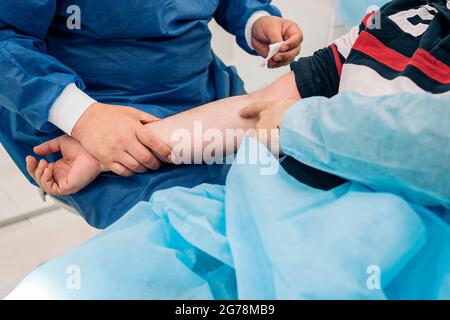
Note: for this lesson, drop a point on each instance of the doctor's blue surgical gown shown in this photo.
(265, 235)
(151, 54)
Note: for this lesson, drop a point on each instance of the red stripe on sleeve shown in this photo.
(431, 66)
(371, 46)
(337, 59)
(368, 18)
(422, 60)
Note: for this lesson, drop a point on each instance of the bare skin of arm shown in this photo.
(220, 116)
(77, 168)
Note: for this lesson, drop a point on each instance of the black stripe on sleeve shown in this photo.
(317, 75)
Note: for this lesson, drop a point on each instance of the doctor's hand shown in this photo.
(74, 171)
(269, 115)
(268, 30)
(108, 133)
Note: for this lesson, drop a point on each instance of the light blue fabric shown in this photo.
(349, 13)
(397, 143)
(259, 237)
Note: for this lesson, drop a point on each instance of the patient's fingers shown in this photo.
(49, 147)
(40, 170)
(48, 182)
(32, 164)
(42, 173)
(254, 109)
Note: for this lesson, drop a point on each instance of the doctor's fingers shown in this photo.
(120, 170)
(146, 118)
(132, 163)
(156, 145)
(49, 147)
(254, 110)
(144, 156)
(267, 131)
(285, 58)
(265, 121)
(274, 33)
(293, 37)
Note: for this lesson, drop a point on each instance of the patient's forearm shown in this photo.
(217, 125)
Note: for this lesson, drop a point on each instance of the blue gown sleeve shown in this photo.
(30, 79)
(397, 143)
(233, 15)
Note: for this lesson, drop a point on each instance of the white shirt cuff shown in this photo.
(69, 107)
(249, 26)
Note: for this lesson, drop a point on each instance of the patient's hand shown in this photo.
(74, 171)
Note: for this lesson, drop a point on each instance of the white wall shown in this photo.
(316, 18)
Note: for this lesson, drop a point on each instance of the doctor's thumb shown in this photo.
(146, 118)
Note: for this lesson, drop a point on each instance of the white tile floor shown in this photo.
(26, 244)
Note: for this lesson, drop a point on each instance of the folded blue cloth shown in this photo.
(262, 236)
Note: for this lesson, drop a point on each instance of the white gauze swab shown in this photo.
(273, 50)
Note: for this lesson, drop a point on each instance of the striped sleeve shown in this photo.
(320, 74)
(344, 45)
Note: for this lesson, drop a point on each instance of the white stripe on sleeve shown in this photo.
(368, 82)
(345, 43)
